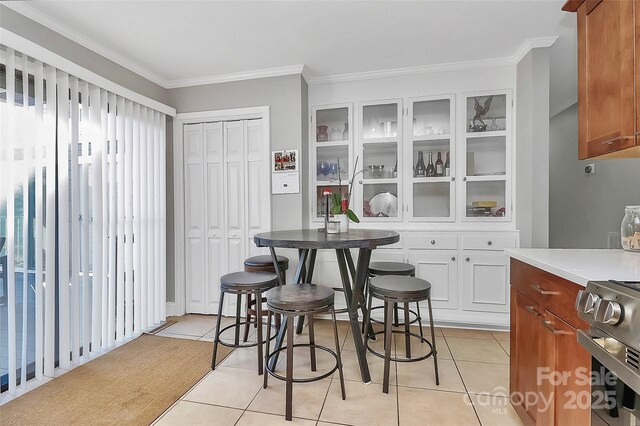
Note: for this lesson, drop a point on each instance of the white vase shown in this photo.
(344, 222)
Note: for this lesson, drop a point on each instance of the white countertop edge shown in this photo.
(582, 265)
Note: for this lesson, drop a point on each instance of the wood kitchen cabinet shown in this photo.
(608, 96)
(544, 348)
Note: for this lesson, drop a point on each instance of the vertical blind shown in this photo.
(82, 219)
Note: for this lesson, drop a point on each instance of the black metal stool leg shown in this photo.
(289, 382)
(335, 334)
(388, 332)
(312, 341)
(433, 341)
(419, 319)
(216, 338)
(407, 330)
(367, 320)
(259, 325)
(238, 313)
(248, 319)
(267, 349)
(396, 318)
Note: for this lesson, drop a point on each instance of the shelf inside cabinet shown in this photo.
(431, 199)
(332, 124)
(479, 193)
(486, 113)
(432, 179)
(486, 156)
(380, 121)
(328, 159)
(431, 117)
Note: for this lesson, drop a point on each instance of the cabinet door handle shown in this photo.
(530, 309)
(468, 259)
(540, 290)
(433, 242)
(464, 179)
(549, 326)
(453, 178)
(489, 242)
(453, 258)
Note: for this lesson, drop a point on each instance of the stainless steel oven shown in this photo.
(612, 309)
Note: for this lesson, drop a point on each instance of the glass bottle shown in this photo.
(431, 171)
(439, 165)
(630, 229)
(395, 169)
(345, 132)
(421, 169)
(447, 166)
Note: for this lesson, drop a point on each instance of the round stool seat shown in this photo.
(248, 281)
(299, 297)
(391, 268)
(265, 260)
(400, 287)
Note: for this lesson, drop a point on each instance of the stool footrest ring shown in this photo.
(308, 379)
(400, 324)
(243, 345)
(396, 359)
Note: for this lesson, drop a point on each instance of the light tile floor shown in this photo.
(474, 382)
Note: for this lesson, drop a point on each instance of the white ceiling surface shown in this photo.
(176, 41)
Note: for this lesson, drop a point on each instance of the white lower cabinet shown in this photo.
(441, 270)
(484, 282)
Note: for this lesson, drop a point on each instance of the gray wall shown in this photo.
(584, 208)
(532, 148)
(49, 39)
(286, 97)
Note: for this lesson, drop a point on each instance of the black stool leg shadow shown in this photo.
(388, 332)
(259, 331)
(267, 349)
(433, 341)
(338, 356)
(217, 333)
(312, 341)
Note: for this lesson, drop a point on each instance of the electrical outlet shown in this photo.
(590, 169)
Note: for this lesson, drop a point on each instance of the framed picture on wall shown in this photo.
(284, 161)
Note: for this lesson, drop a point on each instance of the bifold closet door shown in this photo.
(194, 210)
(235, 194)
(258, 213)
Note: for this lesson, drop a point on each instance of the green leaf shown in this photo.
(351, 215)
(335, 200)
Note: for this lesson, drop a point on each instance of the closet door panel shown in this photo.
(258, 191)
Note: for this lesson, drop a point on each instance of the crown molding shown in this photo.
(225, 78)
(34, 14)
(524, 48)
(532, 43)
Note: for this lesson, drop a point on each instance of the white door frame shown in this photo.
(178, 307)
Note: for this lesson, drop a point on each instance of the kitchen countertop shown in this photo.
(582, 265)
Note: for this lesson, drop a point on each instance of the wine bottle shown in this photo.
(431, 171)
(439, 167)
(447, 166)
(421, 169)
(395, 169)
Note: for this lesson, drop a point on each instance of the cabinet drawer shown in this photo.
(550, 291)
(488, 242)
(433, 242)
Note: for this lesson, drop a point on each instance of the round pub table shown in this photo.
(353, 276)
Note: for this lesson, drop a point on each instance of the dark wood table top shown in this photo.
(313, 239)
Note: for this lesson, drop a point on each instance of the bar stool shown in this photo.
(243, 283)
(394, 289)
(301, 300)
(262, 263)
(377, 269)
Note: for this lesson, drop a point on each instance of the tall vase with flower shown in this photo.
(341, 201)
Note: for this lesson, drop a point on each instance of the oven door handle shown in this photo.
(624, 372)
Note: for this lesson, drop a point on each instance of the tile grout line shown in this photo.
(464, 384)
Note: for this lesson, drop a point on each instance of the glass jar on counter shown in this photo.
(630, 229)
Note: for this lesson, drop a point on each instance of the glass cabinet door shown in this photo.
(486, 156)
(331, 152)
(380, 160)
(431, 159)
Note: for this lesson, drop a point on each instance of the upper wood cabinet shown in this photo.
(608, 98)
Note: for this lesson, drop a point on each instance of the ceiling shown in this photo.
(178, 43)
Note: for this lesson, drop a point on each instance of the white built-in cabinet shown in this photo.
(454, 224)
(226, 187)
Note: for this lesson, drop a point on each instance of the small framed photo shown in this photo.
(284, 161)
